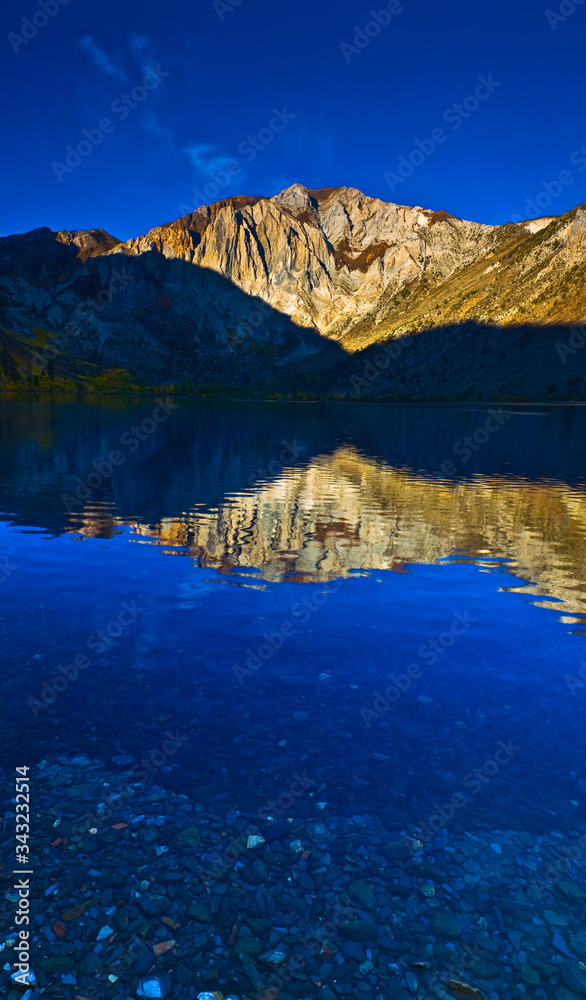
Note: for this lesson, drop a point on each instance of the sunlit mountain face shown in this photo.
(277, 663)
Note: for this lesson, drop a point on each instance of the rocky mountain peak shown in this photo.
(296, 197)
(251, 278)
(89, 242)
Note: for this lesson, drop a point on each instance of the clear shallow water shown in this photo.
(295, 615)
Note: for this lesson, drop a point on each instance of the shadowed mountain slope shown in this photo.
(287, 289)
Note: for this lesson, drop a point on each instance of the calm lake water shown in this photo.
(301, 689)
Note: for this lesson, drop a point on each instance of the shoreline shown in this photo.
(80, 395)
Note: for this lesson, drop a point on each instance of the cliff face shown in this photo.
(251, 289)
(324, 258)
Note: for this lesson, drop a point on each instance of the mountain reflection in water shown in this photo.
(339, 636)
(346, 512)
(349, 487)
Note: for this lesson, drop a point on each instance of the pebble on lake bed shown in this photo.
(274, 957)
(463, 990)
(163, 947)
(31, 979)
(154, 987)
(215, 996)
(254, 841)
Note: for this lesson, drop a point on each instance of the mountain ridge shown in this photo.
(258, 290)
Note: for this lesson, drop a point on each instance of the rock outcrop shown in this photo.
(254, 289)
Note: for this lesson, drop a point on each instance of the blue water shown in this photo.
(302, 590)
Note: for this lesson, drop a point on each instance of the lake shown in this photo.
(300, 689)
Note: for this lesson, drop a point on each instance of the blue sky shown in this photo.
(247, 96)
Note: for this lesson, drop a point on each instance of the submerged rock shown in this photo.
(358, 930)
(446, 925)
(578, 943)
(274, 957)
(31, 980)
(155, 987)
(254, 841)
(151, 905)
(363, 893)
(462, 990)
(574, 978)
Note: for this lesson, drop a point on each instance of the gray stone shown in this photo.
(274, 957)
(446, 925)
(248, 946)
(397, 850)
(578, 943)
(530, 975)
(358, 930)
(560, 944)
(355, 950)
(573, 978)
(199, 912)
(91, 964)
(152, 905)
(363, 893)
(157, 987)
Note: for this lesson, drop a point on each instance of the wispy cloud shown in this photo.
(140, 47)
(213, 180)
(150, 123)
(138, 44)
(205, 157)
(100, 58)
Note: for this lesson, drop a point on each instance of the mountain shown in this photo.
(303, 289)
